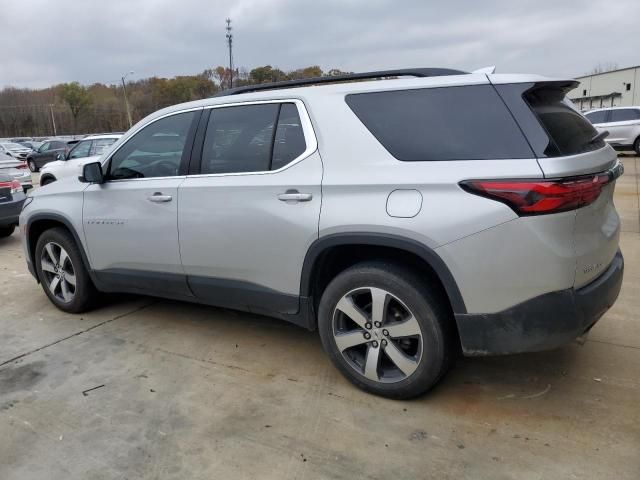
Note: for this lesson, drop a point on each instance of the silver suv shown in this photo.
(405, 218)
(622, 123)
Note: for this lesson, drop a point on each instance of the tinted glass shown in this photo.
(238, 139)
(449, 123)
(44, 147)
(56, 145)
(101, 144)
(570, 132)
(597, 117)
(289, 142)
(155, 151)
(81, 150)
(624, 115)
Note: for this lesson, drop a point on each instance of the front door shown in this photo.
(249, 216)
(130, 221)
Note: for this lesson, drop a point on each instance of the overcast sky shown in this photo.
(44, 42)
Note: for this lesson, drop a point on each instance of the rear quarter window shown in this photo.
(444, 123)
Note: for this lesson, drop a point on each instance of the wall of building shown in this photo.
(618, 88)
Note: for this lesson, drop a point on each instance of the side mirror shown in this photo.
(92, 173)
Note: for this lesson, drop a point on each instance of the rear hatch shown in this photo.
(574, 152)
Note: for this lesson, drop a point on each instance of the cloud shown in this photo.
(48, 42)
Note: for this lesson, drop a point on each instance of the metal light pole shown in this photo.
(126, 101)
(230, 43)
(53, 120)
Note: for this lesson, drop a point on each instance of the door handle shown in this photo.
(294, 196)
(158, 197)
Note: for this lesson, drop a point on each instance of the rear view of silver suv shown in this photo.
(406, 219)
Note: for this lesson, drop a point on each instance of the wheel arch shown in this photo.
(327, 249)
(47, 176)
(39, 223)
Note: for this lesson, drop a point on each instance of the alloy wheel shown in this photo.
(58, 272)
(378, 336)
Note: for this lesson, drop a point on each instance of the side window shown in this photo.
(289, 141)
(81, 150)
(44, 147)
(155, 151)
(239, 139)
(101, 144)
(597, 117)
(624, 115)
(445, 123)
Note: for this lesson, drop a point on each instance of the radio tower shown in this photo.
(230, 43)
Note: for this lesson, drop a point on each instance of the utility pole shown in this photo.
(126, 101)
(230, 43)
(53, 120)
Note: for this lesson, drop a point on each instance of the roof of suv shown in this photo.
(355, 83)
(96, 137)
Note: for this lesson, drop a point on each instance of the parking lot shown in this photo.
(148, 388)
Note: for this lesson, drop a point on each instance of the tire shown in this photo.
(636, 146)
(47, 181)
(51, 264)
(32, 166)
(7, 231)
(426, 355)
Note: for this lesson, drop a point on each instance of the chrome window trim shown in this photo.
(305, 121)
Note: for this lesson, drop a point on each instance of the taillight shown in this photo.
(13, 185)
(539, 197)
(22, 165)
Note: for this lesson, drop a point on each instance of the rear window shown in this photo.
(445, 123)
(570, 132)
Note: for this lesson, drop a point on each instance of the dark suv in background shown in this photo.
(47, 152)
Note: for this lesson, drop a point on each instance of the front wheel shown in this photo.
(47, 181)
(385, 329)
(32, 166)
(62, 273)
(636, 146)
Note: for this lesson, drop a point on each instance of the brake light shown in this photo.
(13, 185)
(539, 197)
(22, 165)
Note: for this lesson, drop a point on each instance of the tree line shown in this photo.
(78, 109)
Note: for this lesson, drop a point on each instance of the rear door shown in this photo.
(248, 216)
(567, 146)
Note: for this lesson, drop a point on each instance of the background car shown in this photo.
(32, 144)
(622, 123)
(16, 169)
(15, 150)
(11, 199)
(71, 164)
(46, 153)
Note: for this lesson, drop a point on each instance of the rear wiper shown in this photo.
(600, 136)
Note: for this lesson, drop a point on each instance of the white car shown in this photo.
(17, 169)
(622, 123)
(85, 151)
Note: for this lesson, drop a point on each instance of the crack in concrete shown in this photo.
(117, 317)
(613, 344)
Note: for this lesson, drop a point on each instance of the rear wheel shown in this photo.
(32, 166)
(62, 273)
(7, 231)
(636, 146)
(385, 330)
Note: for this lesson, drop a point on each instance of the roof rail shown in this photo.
(406, 72)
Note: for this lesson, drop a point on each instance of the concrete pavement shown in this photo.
(147, 388)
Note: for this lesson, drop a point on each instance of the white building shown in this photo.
(617, 88)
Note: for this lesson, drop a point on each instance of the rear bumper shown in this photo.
(542, 323)
(10, 211)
